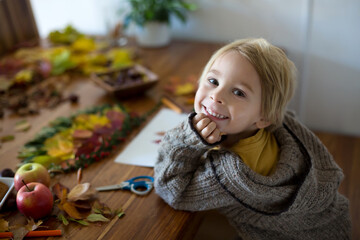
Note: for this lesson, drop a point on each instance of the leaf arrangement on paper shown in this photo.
(70, 143)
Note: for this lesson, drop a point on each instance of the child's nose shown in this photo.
(216, 97)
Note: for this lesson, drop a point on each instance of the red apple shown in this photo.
(31, 172)
(34, 200)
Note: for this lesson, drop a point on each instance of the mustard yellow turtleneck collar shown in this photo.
(260, 152)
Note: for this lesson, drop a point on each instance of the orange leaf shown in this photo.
(71, 210)
(57, 189)
(79, 175)
(64, 196)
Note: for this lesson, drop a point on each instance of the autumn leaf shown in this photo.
(71, 210)
(5, 83)
(81, 191)
(57, 189)
(120, 58)
(185, 89)
(82, 205)
(63, 219)
(24, 76)
(7, 138)
(45, 160)
(4, 225)
(82, 222)
(32, 225)
(97, 217)
(101, 208)
(22, 126)
(79, 176)
(120, 214)
(83, 44)
(82, 134)
(19, 231)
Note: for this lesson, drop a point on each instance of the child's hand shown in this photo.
(206, 128)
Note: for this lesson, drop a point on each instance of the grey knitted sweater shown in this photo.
(300, 200)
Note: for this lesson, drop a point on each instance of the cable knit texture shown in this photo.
(300, 200)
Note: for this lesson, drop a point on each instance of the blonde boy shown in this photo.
(269, 175)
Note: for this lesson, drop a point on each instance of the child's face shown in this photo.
(230, 95)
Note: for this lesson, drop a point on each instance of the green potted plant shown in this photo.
(153, 19)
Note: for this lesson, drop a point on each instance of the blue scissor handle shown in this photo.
(134, 185)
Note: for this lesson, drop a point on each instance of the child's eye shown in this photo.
(214, 81)
(239, 93)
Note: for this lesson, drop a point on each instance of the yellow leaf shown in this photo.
(184, 89)
(45, 160)
(120, 58)
(23, 76)
(58, 146)
(96, 120)
(98, 59)
(90, 121)
(83, 44)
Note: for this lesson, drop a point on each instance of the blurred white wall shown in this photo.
(322, 37)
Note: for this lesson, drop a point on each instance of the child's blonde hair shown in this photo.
(277, 75)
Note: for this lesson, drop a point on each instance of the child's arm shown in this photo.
(182, 178)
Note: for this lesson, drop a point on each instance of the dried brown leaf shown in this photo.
(82, 205)
(101, 208)
(81, 192)
(20, 232)
(7, 138)
(4, 225)
(32, 225)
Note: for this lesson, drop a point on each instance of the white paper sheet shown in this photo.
(143, 150)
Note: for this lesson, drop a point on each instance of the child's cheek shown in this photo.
(197, 103)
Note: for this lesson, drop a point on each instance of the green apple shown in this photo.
(31, 172)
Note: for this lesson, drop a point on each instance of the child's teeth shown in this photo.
(215, 115)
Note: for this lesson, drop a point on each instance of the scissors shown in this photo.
(132, 185)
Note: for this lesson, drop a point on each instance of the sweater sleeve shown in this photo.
(184, 177)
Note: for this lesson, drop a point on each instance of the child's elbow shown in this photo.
(170, 199)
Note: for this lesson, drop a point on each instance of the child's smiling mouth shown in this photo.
(213, 114)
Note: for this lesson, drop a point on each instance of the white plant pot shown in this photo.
(153, 34)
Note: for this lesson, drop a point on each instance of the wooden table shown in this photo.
(147, 217)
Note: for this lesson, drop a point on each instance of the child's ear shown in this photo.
(262, 123)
